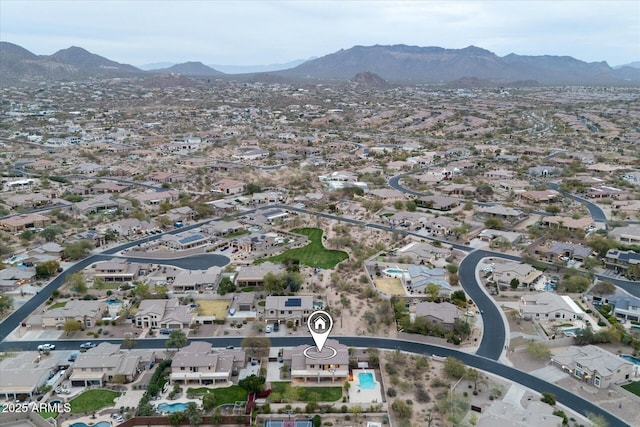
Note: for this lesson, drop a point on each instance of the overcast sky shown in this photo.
(266, 32)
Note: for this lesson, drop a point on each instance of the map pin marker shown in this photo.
(320, 324)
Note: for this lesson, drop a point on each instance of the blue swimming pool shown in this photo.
(100, 424)
(366, 381)
(630, 358)
(172, 407)
(549, 287)
(113, 302)
(571, 332)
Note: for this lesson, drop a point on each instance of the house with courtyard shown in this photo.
(163, 314)
(107, 363)
(594, 366)
(24, 222)
(565, 250)
(504, 273)
(625, 306)
(282, 309)
(197, 280)
(549, 306)
(87, 313)
(253, 275)
(443, 314)
(116, 270)
(321, 369)
(419, 276)
(199, 364)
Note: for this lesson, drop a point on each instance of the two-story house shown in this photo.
(332, 364)
(198, 364)
(594, 365)
(281, 309)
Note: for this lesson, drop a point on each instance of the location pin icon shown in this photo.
(320, 324)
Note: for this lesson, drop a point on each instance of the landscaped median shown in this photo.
(314, 254)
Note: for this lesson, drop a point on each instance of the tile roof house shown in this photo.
(163, 313)
(199, 364)
(503, 414)
(85, 312)
(629, 234)
(25, 374)
(196, 280)
(322, 368)
(281, 309)
(253, 275)
(549, 306)
(107, 363)
(116, 270)
(594, 365)
(443, 314)
(24, 221)
(504, 273)
(420, 276)
(621, 260)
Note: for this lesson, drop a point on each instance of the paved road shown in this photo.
(594, 210)
(563, 396)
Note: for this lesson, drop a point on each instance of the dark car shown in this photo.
(165, 331)
(276, 327)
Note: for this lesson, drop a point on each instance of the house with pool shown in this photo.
(307, 365)
(595, 366)
(199, 364)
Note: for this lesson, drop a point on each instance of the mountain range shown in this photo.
(399, 64)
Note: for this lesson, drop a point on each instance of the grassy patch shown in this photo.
(248, 289)
(633, 388)
(236, 234)
(59, 304)
(224, 396)
(312, 255)
(307, 394)
(92, 400)
(47, 415)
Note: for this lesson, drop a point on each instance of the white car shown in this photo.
(268, 329)
(46, 347)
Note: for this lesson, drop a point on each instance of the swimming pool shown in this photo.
(366, 381)
(630, 358)
(172, 407)
(100, 424)
(571, 332)
(549, 287)
(110, 302)
(394, 272)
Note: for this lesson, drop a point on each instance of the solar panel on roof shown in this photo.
(293, 302)
(191, 238)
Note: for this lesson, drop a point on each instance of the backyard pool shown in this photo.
(100, 424)
(571, 332)
(630, 358)
(394, 272)
(366, 381)
(549, 287)
(172, 407)
(110, 302)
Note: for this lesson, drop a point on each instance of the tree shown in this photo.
(177, 339)
(494, 223)
(459, 298)
(252, 383)
(552, 209)
(402, 409)
(253, 188)
(129, 342)
(27, 235)
(6, 303)
(226, 286)
(256, 347)
(176, 418)
(273, 282)
(538, 350)
(548, 398)
(293, 281)
(356, 410)
(515, 282)
(597, 420)
(77, 250)
(208, 401)
(411, 205)
(398, 205)
(70, 326)
(98, 283)
(193, 414)
(50, 233)
(216, 418)
(452, 268)
(433, 291)
(454, 367)
(47, 269)
(76, 282)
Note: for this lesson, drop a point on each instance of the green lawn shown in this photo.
(46, 415)
(312, 255)
(322, 394)
(225, 395)
(57, 305)
(92, 400)
(237, 233)
(633, 387)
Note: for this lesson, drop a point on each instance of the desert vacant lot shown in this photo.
(216, 308)
(390, 286)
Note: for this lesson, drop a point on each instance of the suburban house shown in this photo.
(166, 177)
(196, 280)
(107, 363)
(440, 203)
(116, 270)
(629, 235)
(594, 365)
(323, 367)
(573, 251)
(625, 306)
(281, 309)
(229, 186)
(503, 414)
(13, 277)
(549, 306)
(199, 364)
(164, 314)
(503, 213)
(418, 277)
(183, 241)
(131, 226)
(154, 198)
(100, 203)
(504, 273)
(85, 312)
(540, 196)
(620, 261)
(24, 222)
(567, 222)
(253, 275)
(25, 374)
(443, 314)
(222, 228)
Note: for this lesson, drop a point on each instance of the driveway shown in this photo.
(550, 374)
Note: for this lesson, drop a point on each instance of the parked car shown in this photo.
(46, 347)
(276, 327)
(268, 329)
(88, 345)
(165, 331)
